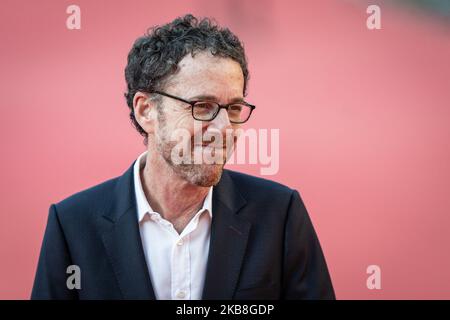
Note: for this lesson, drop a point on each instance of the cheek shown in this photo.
(236, 131)
(188, 123)
(183, 125)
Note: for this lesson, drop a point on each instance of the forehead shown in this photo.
(205, 73)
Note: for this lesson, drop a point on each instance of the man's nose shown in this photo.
(221, 121)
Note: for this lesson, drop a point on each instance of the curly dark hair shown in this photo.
(155, 56)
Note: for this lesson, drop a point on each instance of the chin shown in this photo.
(203, 175)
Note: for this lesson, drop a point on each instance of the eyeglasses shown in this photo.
(238, 112)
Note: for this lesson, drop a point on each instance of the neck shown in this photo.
(169, 194)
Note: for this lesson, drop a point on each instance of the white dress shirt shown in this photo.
(176, 262)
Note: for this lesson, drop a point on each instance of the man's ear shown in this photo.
(145, 112)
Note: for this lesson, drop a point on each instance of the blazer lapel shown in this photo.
(229, 235)
(123, 244)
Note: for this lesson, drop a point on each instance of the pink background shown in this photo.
(363, 116)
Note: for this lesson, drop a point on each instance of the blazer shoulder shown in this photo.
(250, 185)
(94, 199)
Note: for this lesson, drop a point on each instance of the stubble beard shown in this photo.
(204, 175)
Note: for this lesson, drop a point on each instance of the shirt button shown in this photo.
(180, 243)
(181, 294)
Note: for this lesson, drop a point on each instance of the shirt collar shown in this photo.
(143, 207)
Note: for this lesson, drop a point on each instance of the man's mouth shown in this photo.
(210, 145)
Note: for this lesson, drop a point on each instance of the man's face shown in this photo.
(202, 77)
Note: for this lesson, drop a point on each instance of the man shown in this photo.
(173, 227)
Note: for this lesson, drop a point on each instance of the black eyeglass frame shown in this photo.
(192, 104)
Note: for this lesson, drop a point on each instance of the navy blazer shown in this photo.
(263, 244)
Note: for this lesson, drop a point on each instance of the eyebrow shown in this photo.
(214, 98)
